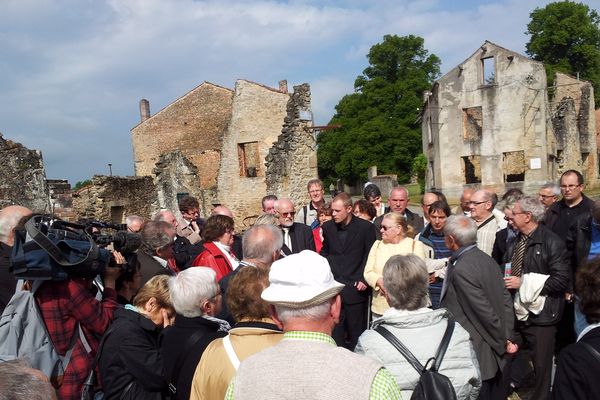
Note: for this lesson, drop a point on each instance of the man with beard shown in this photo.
(296, 235)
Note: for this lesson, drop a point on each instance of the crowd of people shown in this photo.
(295, 306)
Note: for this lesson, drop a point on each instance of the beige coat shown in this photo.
(215, 370)
(378, 256)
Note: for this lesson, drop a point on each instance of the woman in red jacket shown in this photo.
(217, 254)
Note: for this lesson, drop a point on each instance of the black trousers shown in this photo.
(492, 389)
(540, 340)
(353, 322)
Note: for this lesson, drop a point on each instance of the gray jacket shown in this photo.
(421, 332)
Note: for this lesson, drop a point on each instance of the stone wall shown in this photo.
(257, 118)
(176, 176)
(193, 124)
(22, 177)
(292, 161)
(574, 124)
(112, 198)
(486, 124)
(61, 199)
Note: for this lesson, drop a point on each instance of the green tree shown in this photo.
(565, 36)
(81, 184)
(379, 121)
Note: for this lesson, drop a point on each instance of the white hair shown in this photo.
(190, 288)
(313, 313)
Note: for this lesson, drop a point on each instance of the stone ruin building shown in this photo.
(489, 123)
(228, 147)
(22, 177)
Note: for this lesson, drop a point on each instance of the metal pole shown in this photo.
(110, 169)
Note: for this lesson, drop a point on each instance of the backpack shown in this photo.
(431, 385)
(23, 334)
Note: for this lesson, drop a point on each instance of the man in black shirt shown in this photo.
(574, 203)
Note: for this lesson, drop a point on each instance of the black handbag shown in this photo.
(431, 385)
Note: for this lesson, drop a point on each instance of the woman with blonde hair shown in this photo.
(131, 366)
(396, 239)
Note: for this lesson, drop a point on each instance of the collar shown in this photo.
(456, 254)
(309, 337)
(587, 329)
(161, 261)
(342, 227)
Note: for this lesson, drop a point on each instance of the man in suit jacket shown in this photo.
(398, 202)
(347, 241)
(474, 292)
(296, 236)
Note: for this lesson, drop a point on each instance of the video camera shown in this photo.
(52, 249)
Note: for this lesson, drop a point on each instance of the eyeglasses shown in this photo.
(288, 214)
(315, 191)
(385, 228)
(571, 187)
(546, 196)
(476, 203)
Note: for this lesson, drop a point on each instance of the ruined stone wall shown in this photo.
(574, 123)
(22, 177)
(256, 122)
(292, 161)
(112, 198)
(193, 124)
(176, 176)
(61, 200)
(485, 121)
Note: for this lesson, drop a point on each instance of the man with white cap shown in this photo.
(306, 364)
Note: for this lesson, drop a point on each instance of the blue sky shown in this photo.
(73, 71)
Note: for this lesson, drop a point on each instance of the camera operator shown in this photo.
(70, 309)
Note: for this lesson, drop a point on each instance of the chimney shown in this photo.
(283, 86)
(144, 109)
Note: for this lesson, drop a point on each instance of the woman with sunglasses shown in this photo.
(396, 239)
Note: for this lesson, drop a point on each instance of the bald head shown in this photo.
(166, 216)
(465, 198)
(222, 210)
(261, 243)
(9, 219)
(285, 212)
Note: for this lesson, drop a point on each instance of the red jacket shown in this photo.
(212, 257)
(62, 305)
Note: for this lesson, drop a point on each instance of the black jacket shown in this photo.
(553, 214)
(577, 370)
(579, 241)
(131, 353)
(546, 253)
(302, 239)
(347, 260)
(174, 343)
(8, 282)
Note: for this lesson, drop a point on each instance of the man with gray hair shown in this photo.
(156, 251)
(19, 381)
(548, 194)
(9, 219)
(475, 294)
(539, 274)
(262, 246)
(196, 297)
(305, 304)
(134, 223)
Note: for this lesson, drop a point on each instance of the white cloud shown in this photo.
(73, 71)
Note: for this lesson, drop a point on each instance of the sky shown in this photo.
(72, 72)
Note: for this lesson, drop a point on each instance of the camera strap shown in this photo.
(57, 255)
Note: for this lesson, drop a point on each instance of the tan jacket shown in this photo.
(215, 370)
(378, 256)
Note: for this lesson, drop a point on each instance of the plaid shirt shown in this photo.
(62, 305)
